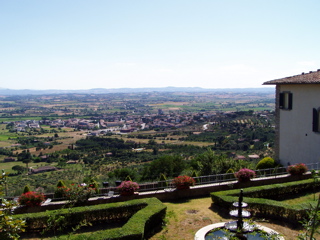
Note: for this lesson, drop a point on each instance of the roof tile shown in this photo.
(304, 78)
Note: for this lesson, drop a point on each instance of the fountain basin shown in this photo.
(203, 232)
(232, 226)
(245, 214)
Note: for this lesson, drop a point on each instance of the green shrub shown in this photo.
(26, 189)
(95, 186)
(265, 163)
(195, 176)
(261, 199)
(60, 191)
(230, 170)
(61, 184)
(162, 181)
(128, 178)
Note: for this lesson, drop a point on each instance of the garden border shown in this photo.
(261, 206)
(143, 216)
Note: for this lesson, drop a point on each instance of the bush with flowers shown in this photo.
(128, 187)
(297, 169)
(95, 186)
(245, 174)
(61, 190)
(79, 193)
(183, 182)
(31, 199)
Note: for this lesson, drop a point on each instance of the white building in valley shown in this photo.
(297, 118)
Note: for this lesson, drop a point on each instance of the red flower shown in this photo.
(297, 169)
(31, 199)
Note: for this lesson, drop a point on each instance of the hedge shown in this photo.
(262, 200)
(142, 216)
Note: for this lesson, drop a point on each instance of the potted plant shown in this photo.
(245, 175)
(80, 194)
(31, 199)
(183, 182)
(61, 190)
(127, 188)
(297, 169)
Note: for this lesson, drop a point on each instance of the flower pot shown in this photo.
(105, 184)
(182, 187)
(127, 193)
(244, 180)
(118, 183)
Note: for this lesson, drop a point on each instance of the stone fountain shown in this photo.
(238, 228)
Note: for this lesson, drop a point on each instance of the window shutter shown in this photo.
(315, 120)
(290, 101)
(281, 100)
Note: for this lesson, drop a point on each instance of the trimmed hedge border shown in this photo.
(142, 216)
(260, 201)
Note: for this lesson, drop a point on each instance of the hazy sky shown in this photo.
(75, 44)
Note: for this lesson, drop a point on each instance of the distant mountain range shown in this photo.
(6, 92)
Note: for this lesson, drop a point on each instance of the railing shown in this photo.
(210, 179)
(221, 178)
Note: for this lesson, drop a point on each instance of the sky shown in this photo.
(76, 44)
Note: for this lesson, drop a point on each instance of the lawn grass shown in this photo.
(185, 218)
(307, 198)
(7, 166)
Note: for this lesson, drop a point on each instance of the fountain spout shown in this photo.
(240, 218)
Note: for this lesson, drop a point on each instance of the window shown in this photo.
(285, 100)
(316, 120)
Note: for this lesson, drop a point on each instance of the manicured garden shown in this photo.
(121, 220)
(265, 200)
(139, 218)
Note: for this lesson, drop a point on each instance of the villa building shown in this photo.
(297, 118)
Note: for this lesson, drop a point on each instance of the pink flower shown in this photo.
(128, 186)
(245, 174)
(183, 181)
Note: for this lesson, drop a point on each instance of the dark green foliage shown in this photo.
(95, 185)
(249, 127)
(123, 173)
(162, 181)
(98, 144)
(169, 165)
(60, 190)
(230, 170)
(128, 178)
(265, 163)
(209, 163)
(61, 184)
(26, 189)
(194, 175)
(312, 223)
(20, 169)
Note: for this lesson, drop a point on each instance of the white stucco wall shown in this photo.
(297, 142)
